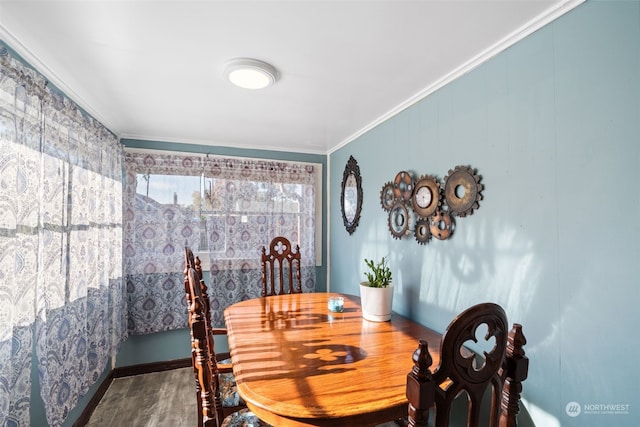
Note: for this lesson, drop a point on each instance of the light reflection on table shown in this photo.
(298, 364)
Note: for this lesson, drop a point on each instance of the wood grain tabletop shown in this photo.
(298, 364)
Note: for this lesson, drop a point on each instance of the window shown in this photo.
(225, 209)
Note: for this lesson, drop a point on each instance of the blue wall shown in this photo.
(552, 125)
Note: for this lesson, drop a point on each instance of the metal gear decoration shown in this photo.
(426, 196)
(387, 196)
(403, 186)
(441, 225)
(462, 191)
(430, 204)
(398, 220)
(422, 231)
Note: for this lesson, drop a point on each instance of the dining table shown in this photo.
(297, 363)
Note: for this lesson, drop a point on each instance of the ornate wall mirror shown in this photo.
(351, 197)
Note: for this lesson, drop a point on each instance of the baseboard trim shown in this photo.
(126, 371)
(146, 368)
(84, 418)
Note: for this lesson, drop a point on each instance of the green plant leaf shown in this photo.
(379, 275)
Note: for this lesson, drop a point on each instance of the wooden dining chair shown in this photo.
(281, 268)
(211, 411)
(461, 371)
(226, 399)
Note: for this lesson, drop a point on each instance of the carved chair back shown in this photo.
(203, 354)
(203, 365)
(461, 371)
(280, 268)
(192, 261)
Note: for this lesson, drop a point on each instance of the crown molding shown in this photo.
(525, 30)
(530, 27)
(31, 60)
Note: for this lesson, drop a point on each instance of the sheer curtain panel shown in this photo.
(61, 287)
(225, 209)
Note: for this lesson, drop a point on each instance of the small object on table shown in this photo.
(336, 304)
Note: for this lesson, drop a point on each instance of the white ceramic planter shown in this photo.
(376, 302)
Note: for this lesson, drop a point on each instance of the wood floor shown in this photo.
(159, 399)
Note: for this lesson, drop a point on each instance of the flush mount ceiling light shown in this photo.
(250, 73)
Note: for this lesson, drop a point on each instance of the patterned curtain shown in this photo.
(225, 209)
(60, 246)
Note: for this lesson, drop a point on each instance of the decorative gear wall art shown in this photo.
(399, 220)
(441, 225)
(387, 196)
(433, 216)
(403, 186)
(422, 232)
(462, 191)
(426, 196)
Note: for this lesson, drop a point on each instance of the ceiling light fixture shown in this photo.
(250, 73)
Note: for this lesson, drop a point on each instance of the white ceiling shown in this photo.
(152, 70)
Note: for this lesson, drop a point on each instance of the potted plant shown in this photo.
(376, 293)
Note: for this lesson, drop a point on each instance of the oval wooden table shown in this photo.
(298, 364)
